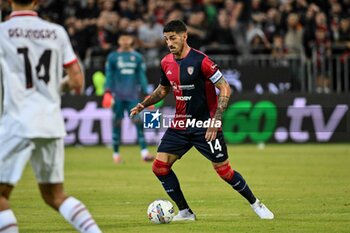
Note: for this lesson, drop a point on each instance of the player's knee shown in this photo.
(5, 191)
(117, 123)
(224, 171)
(161, 168)
(137, 121)
(54, 200)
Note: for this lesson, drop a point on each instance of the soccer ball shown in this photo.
(160, 211)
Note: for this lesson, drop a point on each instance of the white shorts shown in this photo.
(45, 155)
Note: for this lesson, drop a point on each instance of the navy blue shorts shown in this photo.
(178, 142)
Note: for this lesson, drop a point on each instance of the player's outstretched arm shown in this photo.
(158, 94)
(224, 96)
(74, 80)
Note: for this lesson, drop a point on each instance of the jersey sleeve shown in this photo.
(164, 81)
(109, 71)
(211, 70)
(141, 74)
(69, 56)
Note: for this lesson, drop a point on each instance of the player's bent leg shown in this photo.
(14, 155)
(70, 208)
(235, 179)
(116, 140)
(118, 115)
(162, 169)
(8, 221)
(5, 191)
(53, 194)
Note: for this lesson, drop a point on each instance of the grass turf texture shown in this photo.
(306, 186)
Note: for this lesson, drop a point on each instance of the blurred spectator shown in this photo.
(294, 36)
(197, 32)
(112, 25)
(257, 40)
(107, 5)
(258, 16)
(129, 9)
(71, 8)
(233, 10)
(51, 10)
(90, 11)
(78, 33)
(102, 37)
(187, 7)
(210, 11)
(175, 14)
(278, 48)
(221, 34)
(272, 24)
(5, 9)
(126, 25)
(342, 35)
(157, 9)
(150, 34)
(322, 48)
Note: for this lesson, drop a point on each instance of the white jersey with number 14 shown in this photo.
(32, 55)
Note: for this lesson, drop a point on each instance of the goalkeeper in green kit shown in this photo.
(125, 76)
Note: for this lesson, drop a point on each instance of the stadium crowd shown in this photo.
(276, 27)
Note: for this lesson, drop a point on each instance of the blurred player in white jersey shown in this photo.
(33, 53)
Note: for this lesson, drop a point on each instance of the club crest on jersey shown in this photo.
(190, 70)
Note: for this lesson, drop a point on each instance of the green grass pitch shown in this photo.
(306, 186)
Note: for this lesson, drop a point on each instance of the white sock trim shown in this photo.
(8, 221)
(78, 215)
(66, 207)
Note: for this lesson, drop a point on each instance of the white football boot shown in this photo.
(184, 215)
(261, 210)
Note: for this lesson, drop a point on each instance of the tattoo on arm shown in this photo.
(222, 105)
(158, 94)
(225, 92)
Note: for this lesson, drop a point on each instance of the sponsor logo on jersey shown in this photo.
(183, 98)
(187, 87)
(169, 72)
(190, 70)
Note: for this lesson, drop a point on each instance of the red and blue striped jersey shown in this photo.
(193, 81)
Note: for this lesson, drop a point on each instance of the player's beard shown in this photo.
(177, 52)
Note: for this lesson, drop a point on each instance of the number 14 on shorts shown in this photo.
(216, 145)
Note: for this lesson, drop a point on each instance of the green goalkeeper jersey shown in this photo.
(126, 75)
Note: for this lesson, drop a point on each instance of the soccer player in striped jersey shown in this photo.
(193, 78)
